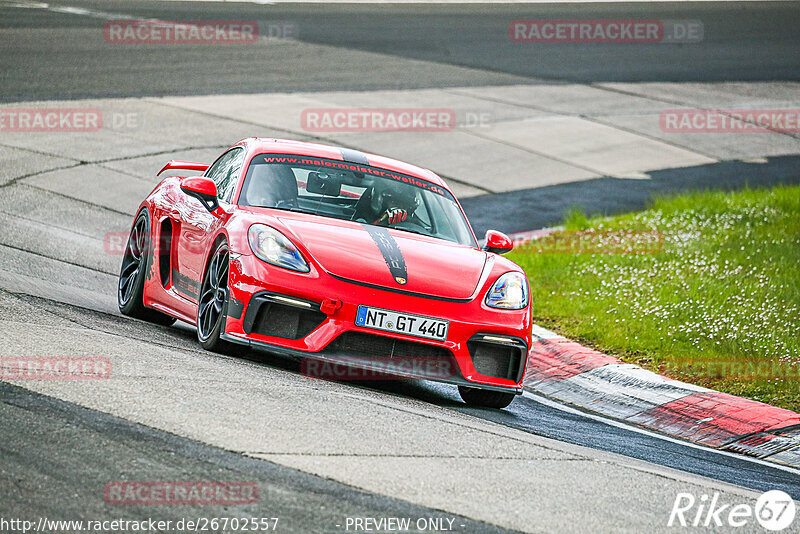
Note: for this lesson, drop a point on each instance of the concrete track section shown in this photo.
(73, 453)
(384, 46)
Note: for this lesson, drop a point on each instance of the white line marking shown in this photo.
(501, 2)
(543, 333)
(623, 390)
(26, 5)
(619, 424)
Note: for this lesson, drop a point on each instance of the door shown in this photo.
(198, 225)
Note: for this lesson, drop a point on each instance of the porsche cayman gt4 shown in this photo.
(334, 256)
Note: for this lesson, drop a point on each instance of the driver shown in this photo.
(389, 203)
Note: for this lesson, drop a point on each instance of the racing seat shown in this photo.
(271, 186)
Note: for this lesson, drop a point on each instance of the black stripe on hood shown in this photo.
(390, 251)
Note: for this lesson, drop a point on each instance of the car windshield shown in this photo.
(354, 192)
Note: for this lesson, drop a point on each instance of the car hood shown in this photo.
(389, 258)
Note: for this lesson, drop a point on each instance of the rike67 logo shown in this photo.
(774, 510)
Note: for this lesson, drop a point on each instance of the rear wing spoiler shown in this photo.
(184, 165)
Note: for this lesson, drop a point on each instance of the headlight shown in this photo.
(273, 247)
(510, 292)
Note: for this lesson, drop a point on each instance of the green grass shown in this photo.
(723, 290)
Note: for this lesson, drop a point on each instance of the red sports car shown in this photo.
(336, 256)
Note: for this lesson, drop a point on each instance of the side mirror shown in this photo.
(497, 242)
(203, 189)
(323, 184)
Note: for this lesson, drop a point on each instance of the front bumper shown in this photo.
(485, 348)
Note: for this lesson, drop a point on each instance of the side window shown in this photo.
(225, 173)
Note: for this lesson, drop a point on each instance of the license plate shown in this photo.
(402, 323)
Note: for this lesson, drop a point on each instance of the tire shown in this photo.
(211, 306)
(133, 273)
(484, 398)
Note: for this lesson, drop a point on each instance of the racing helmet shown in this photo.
(390, 194)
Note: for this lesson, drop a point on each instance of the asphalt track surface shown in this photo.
(56, 453)
(32, 457)
(49, 54)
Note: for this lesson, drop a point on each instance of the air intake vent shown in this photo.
(368, 345)
(499, 360)
(267, 317)
(287, 322)
(395, 356)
